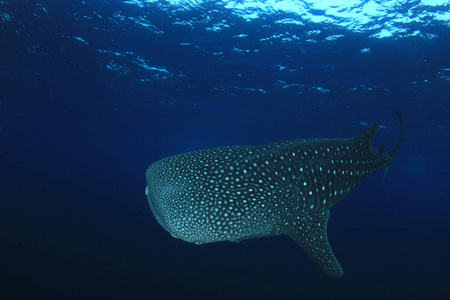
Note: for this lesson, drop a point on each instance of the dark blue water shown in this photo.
(92, 93)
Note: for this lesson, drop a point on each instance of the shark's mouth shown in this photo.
(154, 208)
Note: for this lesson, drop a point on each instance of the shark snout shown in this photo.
(155, 209)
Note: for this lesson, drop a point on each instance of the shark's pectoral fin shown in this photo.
(310, 232)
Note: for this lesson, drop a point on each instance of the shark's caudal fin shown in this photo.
(366, 137)
(394, 150)
(391, 153)
(310, 233)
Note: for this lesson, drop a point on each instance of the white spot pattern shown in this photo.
(239, 192)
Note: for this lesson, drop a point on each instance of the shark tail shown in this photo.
(394, 150)
(365, 140)
(366, 137)
(392, 153)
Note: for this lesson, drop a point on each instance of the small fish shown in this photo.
(242, 192)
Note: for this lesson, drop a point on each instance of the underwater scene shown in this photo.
(246, 149)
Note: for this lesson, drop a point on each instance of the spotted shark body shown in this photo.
(241, 192)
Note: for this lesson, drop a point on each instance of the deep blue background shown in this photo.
(76, 139)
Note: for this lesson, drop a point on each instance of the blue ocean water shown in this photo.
(93, 92)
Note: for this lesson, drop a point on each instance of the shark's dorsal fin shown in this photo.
(310, 233)
(366, 137)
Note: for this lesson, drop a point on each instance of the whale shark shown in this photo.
(234, 193)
